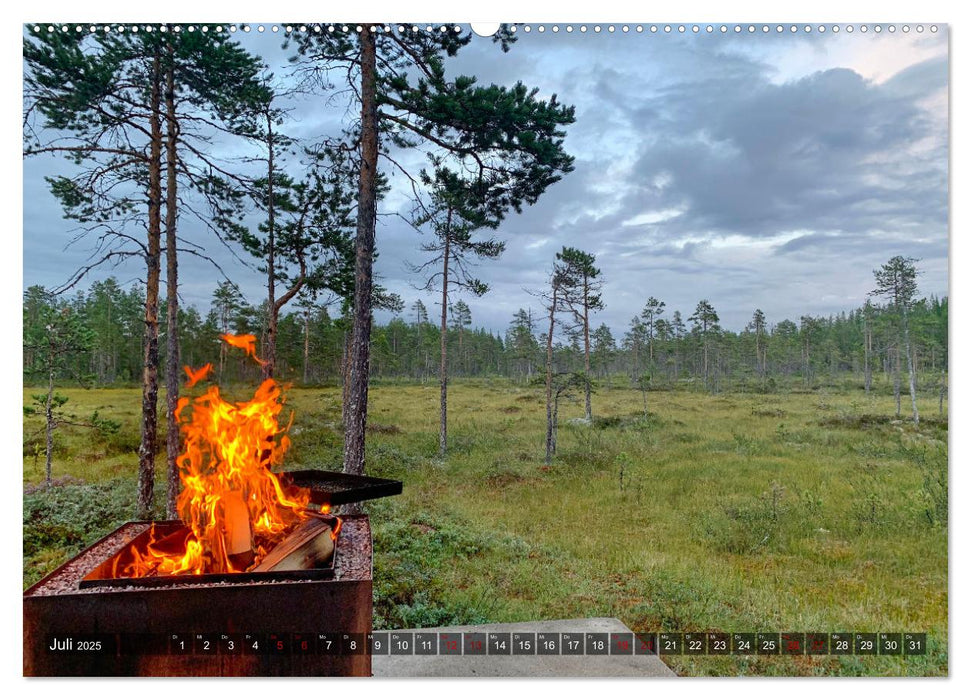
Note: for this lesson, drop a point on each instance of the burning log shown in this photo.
(307, 547)
(237, 535)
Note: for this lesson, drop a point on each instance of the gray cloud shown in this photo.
(706, 166)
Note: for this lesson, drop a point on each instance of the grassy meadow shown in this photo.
(802, 511)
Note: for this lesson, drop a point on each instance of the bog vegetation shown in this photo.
(805, 509)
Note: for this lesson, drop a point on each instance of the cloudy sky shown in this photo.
(766, 170)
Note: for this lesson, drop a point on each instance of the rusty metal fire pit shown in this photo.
(82, 621)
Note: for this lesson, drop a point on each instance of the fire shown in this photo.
(196, 375)
(233, 505)
(247, 343)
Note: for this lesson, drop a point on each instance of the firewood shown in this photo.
(307, 547)
(237, 536)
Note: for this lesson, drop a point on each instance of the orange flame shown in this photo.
(196, 375)
(232, 503)
(246, 343)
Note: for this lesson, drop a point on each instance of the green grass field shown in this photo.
(795, 512)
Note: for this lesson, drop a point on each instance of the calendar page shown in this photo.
(522, 350)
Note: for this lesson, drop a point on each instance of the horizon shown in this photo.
(618, 334)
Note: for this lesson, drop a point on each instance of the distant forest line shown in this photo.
(660, 346)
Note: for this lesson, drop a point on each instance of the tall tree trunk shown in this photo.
(940, 398)
(896, 377)
(306, 346)
(269, 351)
(550, 429)
(172, 359)
(463, 363)
(760, 355)
(913, 384)
(345, 370)
(763, 365)
(912, 375)
(222, 360)
(356, 423)
(529, 348)
(443, 368)
(704, 344)
(919, 362)
(418, 372)
(146, 450)
(49, 415)
(867, 351)
(586, 351)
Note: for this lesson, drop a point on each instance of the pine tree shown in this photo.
(54, 333)
(759, 328)
(867, 316)
(109, 102)
(461, 316)
(114, 101)
(653, 310)
(561, 296)
(678, 333)
(604, 349)
(896, 281)
(509, 141)
(634, 341)
(104, 310)
(586, 299)
(227, 306)
(304, 244)
(706, 324)
(456, 211)
(521, 343)
(420, 313)
(808, 332)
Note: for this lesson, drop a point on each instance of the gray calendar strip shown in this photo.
(653, 643)
(516, 643)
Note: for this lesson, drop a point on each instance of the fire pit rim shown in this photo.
(347, 567)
